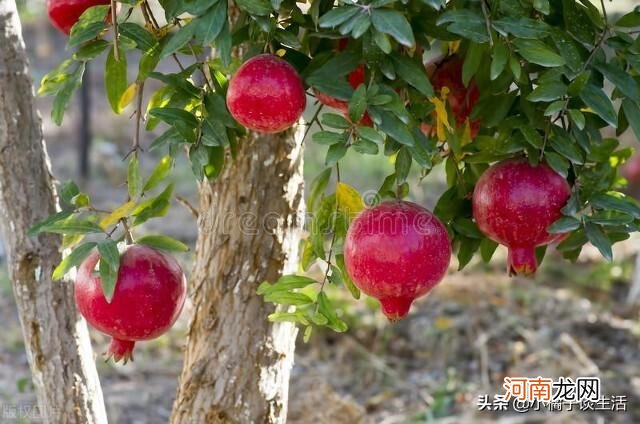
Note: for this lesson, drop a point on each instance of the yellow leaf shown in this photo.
(349, 200)
(117, 214)
(442, 118)
(454, 46)
(127, 96)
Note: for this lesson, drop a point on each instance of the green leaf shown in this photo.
(600, 240)
(358, 103)
(370, 134)
(159, 173)
(522, 27)
(163, 242)
(346, 279)
(109, 266)
(134, 179)
(621, 79)
(75, 258)
(72, 225)
(144, 40)
(115, 79)
(539, 53)
(335, 153)
(557, 163)
(285, 283)
(90, 24)
(152, 208)
(579, 83)
(542, 6)
(337, 16)
(487, 249)
(621, 204)
(40, 226)
(328, 137)
(632, 112)
(564, 225)
(327, 309)
(396, 129)
(630, 20)
(334, 120)
(403, 165)
(395, 24)
(532, 136)
(577, 118)
(472, 61)
(184, 122)
(414, 74)
(317, 188)
(178, 40)
(209, 25)
(255, 7)
(71, 83)
(148, 62)
(548, 91)
(288, 298)
(91, 50)
(500, 57)
(600, 103)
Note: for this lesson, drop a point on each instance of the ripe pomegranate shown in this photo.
(148, 297)
(461, 99)
(266, 94)
(514, 203)
(396, 252)
(65, 13)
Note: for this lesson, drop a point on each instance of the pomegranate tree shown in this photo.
(514, 203)
(396, 252)
(266, 94)
(149, 294)
(65, 13)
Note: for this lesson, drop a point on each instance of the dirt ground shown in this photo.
(477, 327)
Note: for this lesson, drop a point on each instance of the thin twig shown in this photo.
(195, 56)
(128, 236)
(184, 202)
(487, 21)
(114, 22)
(313, 119)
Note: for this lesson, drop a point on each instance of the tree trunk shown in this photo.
(237, 363)
(56, 338)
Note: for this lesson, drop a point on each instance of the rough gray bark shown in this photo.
(237, 364)
(56, 338)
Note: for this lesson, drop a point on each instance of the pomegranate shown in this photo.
(631, 170)
(514, 203)
(149, 294)
(396, 252)
(266, 94)
(461, 99)
(65, 13)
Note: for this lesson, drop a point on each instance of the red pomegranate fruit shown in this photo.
(149, 294)
(266, 94)
(514, 203)
(65, 13)
(396, 252)
(461, 99)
